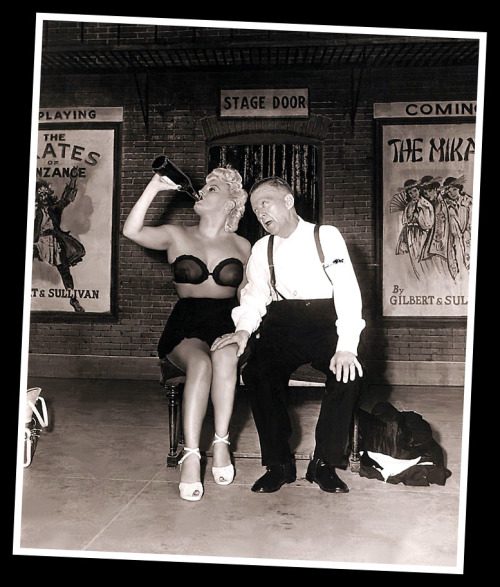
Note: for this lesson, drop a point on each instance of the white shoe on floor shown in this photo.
(223, 475)
(191, 491)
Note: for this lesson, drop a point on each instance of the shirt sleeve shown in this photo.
(346, 292)
(256, 295)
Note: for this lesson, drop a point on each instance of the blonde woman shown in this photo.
(208, 268)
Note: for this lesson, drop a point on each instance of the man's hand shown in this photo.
(344, 365)
(240, 338)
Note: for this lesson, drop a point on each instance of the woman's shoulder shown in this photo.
(241, 240)
(176, 234)
(242, 244)
(179, 230)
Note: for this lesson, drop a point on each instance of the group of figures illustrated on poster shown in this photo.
(436, 218)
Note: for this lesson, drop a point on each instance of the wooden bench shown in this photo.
(173, 379)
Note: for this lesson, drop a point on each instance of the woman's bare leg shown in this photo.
(224, 378)
(193, 356)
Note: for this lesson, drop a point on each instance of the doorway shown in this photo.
(296, 163)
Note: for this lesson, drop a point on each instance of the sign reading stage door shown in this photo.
(288, 103)
(74, 211)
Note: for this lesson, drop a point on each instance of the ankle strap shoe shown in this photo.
(223, 475)
(191, 491)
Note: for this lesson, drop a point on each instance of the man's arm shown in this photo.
(254, 298)
(348, 304)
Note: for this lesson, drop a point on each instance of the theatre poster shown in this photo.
(75, 212)
(426, 202)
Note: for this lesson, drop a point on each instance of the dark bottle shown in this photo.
(163, 166)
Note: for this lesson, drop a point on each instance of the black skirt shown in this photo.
(202, 318)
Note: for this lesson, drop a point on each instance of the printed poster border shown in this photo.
(381, 319)
(111, 315)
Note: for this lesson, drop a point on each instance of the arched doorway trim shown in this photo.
(315, 127)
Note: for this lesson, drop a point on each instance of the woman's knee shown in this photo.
(192, 355)
(200, 362)
(225, 359)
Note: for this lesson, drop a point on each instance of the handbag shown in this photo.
(34, 419)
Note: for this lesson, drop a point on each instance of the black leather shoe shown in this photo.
(274, 478)
(325, 476)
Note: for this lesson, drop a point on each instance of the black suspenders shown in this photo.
(270, 259)
(318, 244)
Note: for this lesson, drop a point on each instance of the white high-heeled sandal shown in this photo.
(191, 491)
(223, 475)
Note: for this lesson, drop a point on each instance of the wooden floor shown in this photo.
(98, 487)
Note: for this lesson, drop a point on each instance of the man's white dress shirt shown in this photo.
(300, 276)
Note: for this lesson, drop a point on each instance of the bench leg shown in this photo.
(354, 460)
(174, 393)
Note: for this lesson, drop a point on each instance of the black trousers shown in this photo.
(294, 333)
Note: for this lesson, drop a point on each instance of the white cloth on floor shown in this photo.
(390, 466)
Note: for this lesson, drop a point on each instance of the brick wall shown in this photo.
(180, 104)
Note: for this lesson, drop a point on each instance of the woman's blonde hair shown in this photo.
(238, 194)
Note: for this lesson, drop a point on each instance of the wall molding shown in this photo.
(147, 368)
(316, 126)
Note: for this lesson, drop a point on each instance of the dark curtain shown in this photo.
(297, 164)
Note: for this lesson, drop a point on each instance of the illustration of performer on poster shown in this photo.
(427, 219)
(51, 244)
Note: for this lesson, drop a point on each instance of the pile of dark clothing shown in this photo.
(398, 447)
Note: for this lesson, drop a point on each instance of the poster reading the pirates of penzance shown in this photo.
(427, 205)
(72, 270)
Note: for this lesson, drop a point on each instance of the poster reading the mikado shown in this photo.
(427, 203)
(72, 270)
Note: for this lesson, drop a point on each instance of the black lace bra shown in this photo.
(190, 269)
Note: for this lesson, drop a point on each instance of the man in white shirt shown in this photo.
(307, 312)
